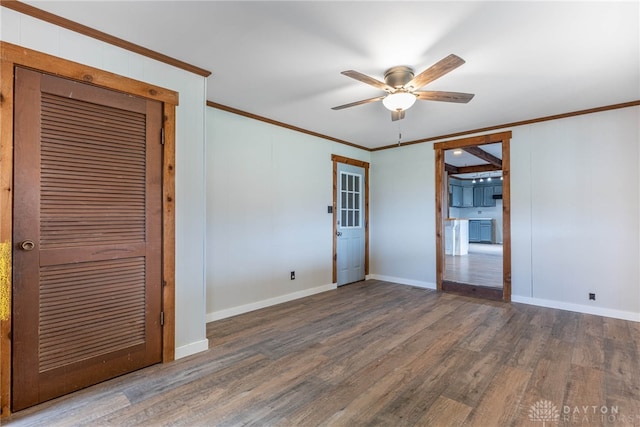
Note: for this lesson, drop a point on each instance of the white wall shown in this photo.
(268, 189)
(402, 215)
(34, 34)
(575, 213)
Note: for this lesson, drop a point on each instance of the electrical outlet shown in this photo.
(592, 296)
(293, 275)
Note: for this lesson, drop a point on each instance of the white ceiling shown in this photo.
(465, 159)
(282, 60)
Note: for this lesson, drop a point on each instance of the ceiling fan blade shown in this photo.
(431, 95)
(437, 70)
(353, 104)
(397, 115)
(368, 80)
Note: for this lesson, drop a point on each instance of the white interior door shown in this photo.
(350, 227)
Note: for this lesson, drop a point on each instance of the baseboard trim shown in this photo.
(402, 281)
(241, 309)
(579, 308)
(191, 348)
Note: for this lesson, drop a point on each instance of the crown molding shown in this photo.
(514, 124)
(281, 124)
(99, 35)
(433, 138)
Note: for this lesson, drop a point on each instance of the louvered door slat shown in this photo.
(57, 272)
(77, 141)
(109, 178)
(89, 110)
(98, 157)
(74, 322)
(87, 117)
(111, 340)
(123, 140)
(61, 112)
(88, 166)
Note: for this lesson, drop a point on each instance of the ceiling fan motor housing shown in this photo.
(398, 76)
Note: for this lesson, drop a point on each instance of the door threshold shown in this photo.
(469, 289)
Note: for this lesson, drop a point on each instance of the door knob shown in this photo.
(338, 233)
(27, 245)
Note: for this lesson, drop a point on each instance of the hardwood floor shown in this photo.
(380, 354)
(481, 266)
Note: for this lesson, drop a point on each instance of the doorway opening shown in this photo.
(473, 216)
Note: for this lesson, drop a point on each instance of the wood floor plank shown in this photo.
(622, 369)
(590, 353)
(468, 385)
(549, 378)
(76, 414)
(445, 412)
(487, 329)
(591, 326)
(500, 404)
(566, 326)
(617, 329)
(179, 396)
(374, 354)
(621, 411)
(529, 347)
(584, 393)
(543, 317)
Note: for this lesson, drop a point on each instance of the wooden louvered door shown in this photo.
(87, 236)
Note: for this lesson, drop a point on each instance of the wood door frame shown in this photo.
(365, 165)
(11, 56)
(442, 197)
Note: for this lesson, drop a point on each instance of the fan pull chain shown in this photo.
(399, 134)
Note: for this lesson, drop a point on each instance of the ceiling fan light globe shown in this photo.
(399, 101)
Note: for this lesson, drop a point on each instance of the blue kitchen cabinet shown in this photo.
(474, 231)
(456, 196)
(483, 195)
(480, 231)
(486, 231)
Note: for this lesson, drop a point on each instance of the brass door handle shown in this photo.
(27, 245)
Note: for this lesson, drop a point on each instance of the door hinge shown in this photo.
(162, 318)
(162, 136)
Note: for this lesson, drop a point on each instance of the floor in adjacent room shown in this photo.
(380, 354)
(481, 266)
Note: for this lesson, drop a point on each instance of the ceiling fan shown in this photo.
(402, 86)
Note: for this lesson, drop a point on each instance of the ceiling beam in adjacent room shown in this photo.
(481, 154)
